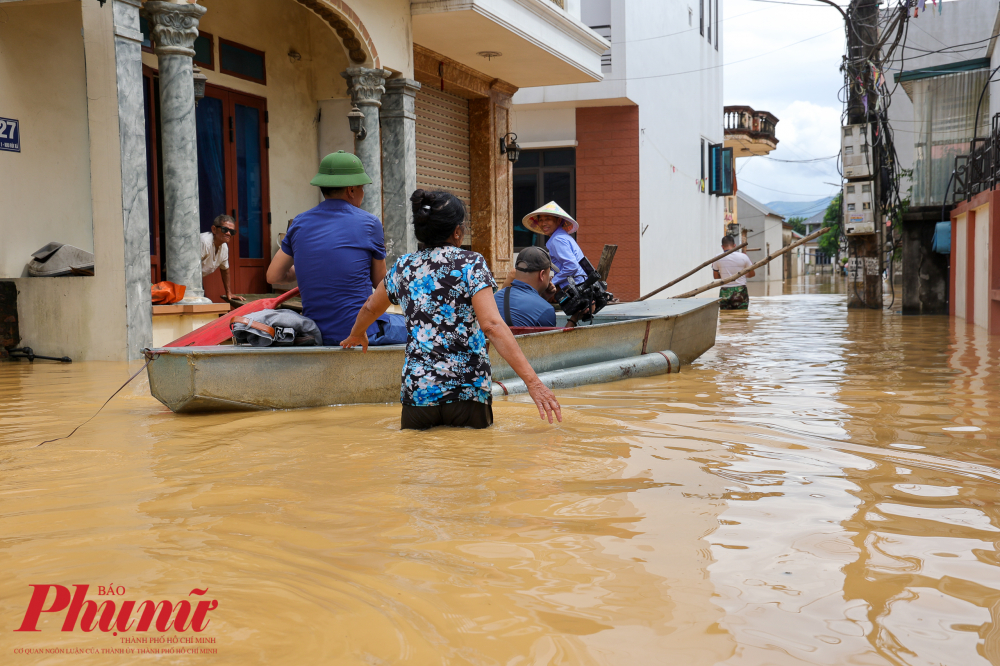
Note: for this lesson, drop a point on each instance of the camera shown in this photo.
(593, 294)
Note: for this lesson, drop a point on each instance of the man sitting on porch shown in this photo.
(336, 251)
(215, 252)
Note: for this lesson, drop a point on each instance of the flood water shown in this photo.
(820, 488)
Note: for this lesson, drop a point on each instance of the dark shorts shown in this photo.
(734, 298)
(462, 414)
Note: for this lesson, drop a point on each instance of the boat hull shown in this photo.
(226, 378)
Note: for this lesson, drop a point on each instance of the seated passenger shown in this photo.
(552, 221)
(520, 304)
(336, 251)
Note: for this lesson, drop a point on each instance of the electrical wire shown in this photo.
(795, 4)
(727, 64)
(798, 194)
(681, 32)
(806, 161)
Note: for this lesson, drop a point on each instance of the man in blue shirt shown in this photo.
(520, 303)
(336, 251)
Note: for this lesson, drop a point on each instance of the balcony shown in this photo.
(749, 132)
(524, 42)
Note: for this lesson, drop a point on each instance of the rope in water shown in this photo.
(148, 361)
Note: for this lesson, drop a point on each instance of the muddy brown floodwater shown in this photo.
(820, 488)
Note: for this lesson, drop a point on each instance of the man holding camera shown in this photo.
(521, 303)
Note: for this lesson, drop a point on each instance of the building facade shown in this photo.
(114, 155)
(764, 233)
(629, 156)
(942, 101)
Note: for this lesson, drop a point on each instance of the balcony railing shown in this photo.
(758, 125)
(979, 171)
(605, 32)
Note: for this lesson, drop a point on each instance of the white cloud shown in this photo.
(807, 128)
(798, 84)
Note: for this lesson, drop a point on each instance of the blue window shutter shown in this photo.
(720, 170)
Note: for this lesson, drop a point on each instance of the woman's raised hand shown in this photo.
(545, 400)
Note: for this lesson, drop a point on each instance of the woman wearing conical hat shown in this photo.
(552, 221)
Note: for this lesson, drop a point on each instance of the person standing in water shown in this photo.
(447, 297)
(734, 296)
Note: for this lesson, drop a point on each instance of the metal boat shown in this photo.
(231, 378)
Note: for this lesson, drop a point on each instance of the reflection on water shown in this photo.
(820, 488)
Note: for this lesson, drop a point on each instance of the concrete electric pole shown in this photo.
(864, 251)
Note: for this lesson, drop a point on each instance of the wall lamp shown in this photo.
(199, 84)
(354, 118)
(510, 148)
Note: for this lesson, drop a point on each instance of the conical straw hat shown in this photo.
(530, 220)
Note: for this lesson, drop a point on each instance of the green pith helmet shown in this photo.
(340, 169)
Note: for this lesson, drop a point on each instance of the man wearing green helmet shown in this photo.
(336, 252)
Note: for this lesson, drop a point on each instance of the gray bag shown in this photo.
(58, 259)
(275, 328)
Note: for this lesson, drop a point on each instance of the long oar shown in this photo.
(767, 259)
(692, 272)
(217, 332)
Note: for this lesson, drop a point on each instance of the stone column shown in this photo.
(399, 166)
(366, 87)
(175, 28)
(135, 189)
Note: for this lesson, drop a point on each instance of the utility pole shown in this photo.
(864, 252)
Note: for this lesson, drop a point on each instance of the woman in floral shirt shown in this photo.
(447, 297)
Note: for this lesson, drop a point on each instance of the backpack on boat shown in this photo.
(275, 328)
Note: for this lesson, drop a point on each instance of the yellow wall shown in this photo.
(296, 88)
(83, 317)
(960, 257)
(388, 22)
(46, 187)
(980, 289)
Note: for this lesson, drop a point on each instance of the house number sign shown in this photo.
(10, 135)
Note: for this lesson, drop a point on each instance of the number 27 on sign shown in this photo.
(10, 135)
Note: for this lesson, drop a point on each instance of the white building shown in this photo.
(764, 235)
(630, 156)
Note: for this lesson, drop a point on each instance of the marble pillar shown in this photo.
(174, 28)
(135, 202)
(399, 166)
(366, 87)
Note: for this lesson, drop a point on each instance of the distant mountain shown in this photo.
(799, 208)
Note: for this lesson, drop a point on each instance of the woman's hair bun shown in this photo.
(436, 215)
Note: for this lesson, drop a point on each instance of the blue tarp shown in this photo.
(942, 238)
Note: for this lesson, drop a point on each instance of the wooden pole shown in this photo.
(604, 265)
(768, 258)
(692, 272)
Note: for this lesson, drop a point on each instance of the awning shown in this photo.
(523, 42)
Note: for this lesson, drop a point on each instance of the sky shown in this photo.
(797, 82)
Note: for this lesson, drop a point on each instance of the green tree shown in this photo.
(797, 224)
(830, 241)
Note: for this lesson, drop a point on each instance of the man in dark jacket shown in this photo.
(520, 304)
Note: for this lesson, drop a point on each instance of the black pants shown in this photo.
(462, 414)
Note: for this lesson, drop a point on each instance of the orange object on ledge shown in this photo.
(166, 292)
